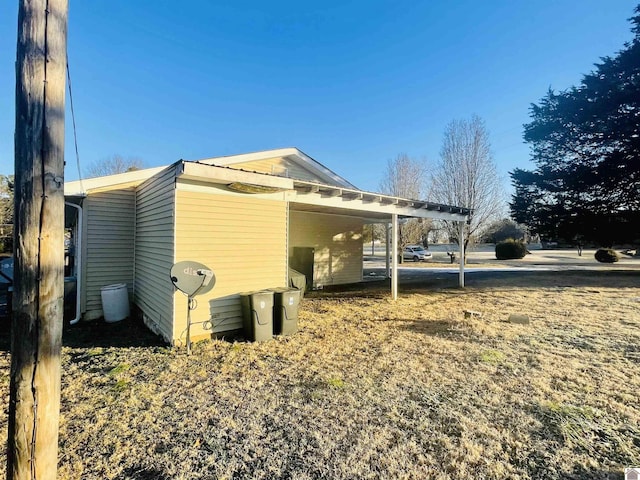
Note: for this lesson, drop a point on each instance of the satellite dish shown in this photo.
(192, 278)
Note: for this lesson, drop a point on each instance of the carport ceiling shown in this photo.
(368, 217)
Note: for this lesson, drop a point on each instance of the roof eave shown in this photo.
(311, 193)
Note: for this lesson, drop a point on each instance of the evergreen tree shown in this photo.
(586, 147)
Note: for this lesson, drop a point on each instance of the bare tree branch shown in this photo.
(467, 176)
(408, 178)
(113, 165)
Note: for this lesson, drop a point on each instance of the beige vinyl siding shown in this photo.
(154, 252)
(337, 241)
(108, 238)
(282, 167)
(242, 238)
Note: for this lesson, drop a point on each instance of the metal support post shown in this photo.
(461, 243)
(394, 257)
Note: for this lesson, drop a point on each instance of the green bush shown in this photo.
(607, 255)
(510, 250)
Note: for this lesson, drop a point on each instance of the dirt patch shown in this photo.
(370, 388)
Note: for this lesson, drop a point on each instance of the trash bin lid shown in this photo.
(115, 286)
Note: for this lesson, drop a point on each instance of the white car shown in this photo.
(415, 253)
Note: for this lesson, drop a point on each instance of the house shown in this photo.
(247, 217)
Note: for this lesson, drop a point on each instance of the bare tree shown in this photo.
(404, 177)
(6, 199)
(467, 177)
(6, 213)
(113, 165)
(407, 178)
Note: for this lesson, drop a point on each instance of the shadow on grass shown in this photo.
(437, 328)
(454, 330)
(425, 279)
(594, 475)
(368, 289)
(546, 279)
(143, 473)
(381, 287)
(130, 332)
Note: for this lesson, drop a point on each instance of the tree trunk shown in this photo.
(373, 240)
(34, 404)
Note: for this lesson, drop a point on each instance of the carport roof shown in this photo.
(303, 195)
(375, 206)
(317, 197)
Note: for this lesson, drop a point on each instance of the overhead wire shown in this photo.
(73, 119)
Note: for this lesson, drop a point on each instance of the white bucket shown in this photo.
(115, 302)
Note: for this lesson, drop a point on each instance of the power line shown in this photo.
(73, 119)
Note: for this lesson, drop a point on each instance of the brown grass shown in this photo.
(370, 388)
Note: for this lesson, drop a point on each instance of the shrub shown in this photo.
(607, 255)
(510, 250)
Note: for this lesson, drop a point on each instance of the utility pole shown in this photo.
(36, 328)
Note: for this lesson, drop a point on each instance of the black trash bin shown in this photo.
(257, 315)
(285, 310)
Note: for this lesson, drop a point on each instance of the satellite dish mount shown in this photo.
(192, 278)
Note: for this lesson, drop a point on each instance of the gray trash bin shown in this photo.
(285, 310)
(257, 315)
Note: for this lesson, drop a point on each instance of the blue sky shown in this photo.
(350, 83)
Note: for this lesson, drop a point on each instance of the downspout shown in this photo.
(78, 260)
(135, 237)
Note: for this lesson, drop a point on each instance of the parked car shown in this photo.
(415, 253)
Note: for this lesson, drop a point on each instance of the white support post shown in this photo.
(386, 250)
(461, 244)
(394, 257)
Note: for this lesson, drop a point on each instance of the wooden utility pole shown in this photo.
(36, 328)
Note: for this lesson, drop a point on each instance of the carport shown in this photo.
(377, 208)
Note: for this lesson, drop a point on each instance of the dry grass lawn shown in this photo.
(370, 388)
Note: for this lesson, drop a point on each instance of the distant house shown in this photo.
(248, 217)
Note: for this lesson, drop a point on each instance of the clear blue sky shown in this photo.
(351, 83)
